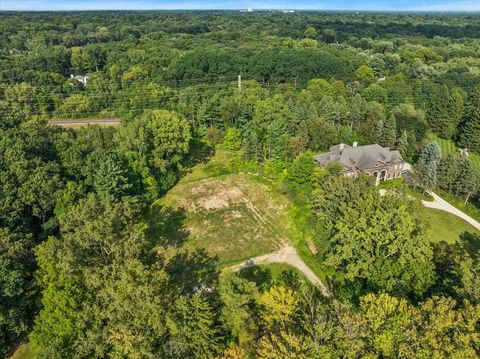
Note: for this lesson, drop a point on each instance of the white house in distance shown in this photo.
(374, 160)
(80, 78)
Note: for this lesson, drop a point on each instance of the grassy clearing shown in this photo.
(449, 147)
(231, 216)
(24, 351)
(446, 227)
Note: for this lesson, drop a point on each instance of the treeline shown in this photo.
(46, 172)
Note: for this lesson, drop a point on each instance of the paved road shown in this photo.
(440, 203)
(82, 123)
(289, 256)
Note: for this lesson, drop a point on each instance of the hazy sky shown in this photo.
(419, 5)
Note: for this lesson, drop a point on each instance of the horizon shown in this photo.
(454, 6)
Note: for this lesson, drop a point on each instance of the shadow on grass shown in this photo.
(265, 277)
(470, 242)
(188, 269)
(262, 277)
(193, 269)
(200, 152)
(166, 226)
(447, 258)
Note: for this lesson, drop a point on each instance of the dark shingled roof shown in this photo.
(361, 157)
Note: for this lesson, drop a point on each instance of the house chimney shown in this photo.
(355, 144)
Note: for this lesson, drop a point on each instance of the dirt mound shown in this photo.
(214, 195)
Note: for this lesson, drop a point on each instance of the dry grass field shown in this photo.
(231, 216)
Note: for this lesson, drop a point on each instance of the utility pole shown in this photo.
(239, 82)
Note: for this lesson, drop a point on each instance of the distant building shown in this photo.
(80, 78)
(373, 160)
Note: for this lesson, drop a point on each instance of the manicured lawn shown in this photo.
(449, 147)
(450, 228)
(458, 202)
(24, 351)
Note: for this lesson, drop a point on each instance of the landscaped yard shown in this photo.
(449, 228)
(448, 146)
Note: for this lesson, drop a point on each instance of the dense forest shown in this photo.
(84, 272)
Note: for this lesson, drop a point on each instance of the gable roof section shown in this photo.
(361, 157)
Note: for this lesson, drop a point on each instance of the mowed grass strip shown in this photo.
(449, 147)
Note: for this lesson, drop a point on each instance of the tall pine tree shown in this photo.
(441, 112)
(425, 174)
(389, 135)
(470, 129)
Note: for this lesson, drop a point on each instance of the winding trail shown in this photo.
(289, 256)
(439, 203)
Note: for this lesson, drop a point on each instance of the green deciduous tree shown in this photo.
(16, 263)
(103, 292)
(111, 178)
(411, 120)
(300, 174)
(232, 140)
(154, 145)
(365, 74)
(380, 241)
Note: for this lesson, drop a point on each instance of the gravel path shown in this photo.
(440, 203)
(289, 256)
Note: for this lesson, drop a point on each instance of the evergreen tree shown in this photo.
(448, 172)
(468, 182)
(378, 132)
(192, 328)
(439, 112)
(252, 148)
(389, 135)
(238, 296)
(402, 144)
(425, 174)
(470, 129)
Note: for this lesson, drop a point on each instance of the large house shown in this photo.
(373, 160)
